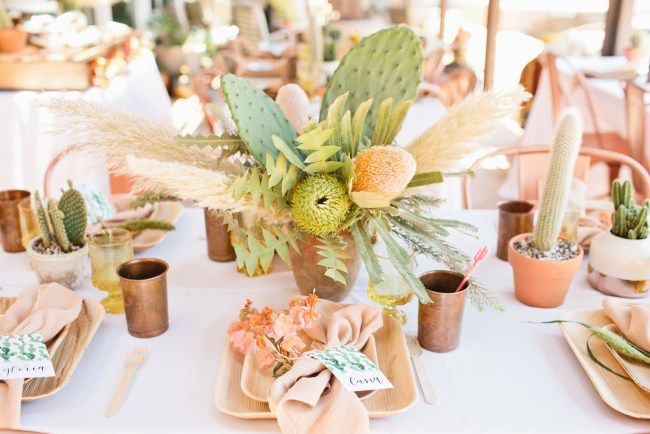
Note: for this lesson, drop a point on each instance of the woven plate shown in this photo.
(69, 351)
(620, 394)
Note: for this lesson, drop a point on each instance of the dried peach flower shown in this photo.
(385, 170)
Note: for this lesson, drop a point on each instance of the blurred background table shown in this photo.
(27, 147)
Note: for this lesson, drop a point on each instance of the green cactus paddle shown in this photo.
(386, 64)
(258, 117)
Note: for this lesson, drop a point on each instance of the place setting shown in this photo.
(321, 216)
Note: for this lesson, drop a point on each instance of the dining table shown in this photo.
(509, 374)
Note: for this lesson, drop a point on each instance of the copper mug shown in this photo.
(439, 323)
(10, 232)
(144, 290)
(219, 246)
(515, 218)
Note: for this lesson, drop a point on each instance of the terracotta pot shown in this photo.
(310, 276)
(618, 266)
(541, 283)
(67, 269)
(515, 217)
(439, 323)
(219, 246)
(12, 40)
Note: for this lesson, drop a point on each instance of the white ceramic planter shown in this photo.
(66, 269)
(618, 266)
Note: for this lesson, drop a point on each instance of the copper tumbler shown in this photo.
(144, 289)
(439, 323)
(515, 218)
(219, 246)
(10, 232)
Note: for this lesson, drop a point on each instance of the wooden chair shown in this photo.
(249, 17)
(528, 180)
(608, 140)
(118, 183)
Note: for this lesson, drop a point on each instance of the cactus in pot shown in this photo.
(543, 264)
(60, 253)
(619, 259)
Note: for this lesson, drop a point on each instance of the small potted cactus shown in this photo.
(543, 264)
(59, 254)
(619, 259)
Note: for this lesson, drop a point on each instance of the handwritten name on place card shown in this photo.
(352, 368)
(24, 356)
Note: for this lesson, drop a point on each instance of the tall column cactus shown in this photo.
(566, 145)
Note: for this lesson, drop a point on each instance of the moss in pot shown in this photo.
(619, 259)
(60, 253)
(544, 265)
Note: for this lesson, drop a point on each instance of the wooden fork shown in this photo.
(134, 360)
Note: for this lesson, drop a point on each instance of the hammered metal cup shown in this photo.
(144, 289)
(10, 220)
(219, 246)
(439, 323)
(515, 218)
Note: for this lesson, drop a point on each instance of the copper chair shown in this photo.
(528, 181)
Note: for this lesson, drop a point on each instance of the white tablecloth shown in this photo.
(507, 376)
(26, 147)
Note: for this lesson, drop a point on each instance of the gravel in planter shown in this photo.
(54, 249)
(563, 250)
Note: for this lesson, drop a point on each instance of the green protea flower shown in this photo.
(320, 204)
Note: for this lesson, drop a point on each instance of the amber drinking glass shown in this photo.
(10, 221)
(29, 227)
(109, 249)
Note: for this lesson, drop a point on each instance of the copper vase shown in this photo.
(310, 276)
(144, 289)
(219, 245)
(515, 218)
(10, 232)
(439, 323)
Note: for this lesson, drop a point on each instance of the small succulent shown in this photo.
(63, 222)
(629, 220)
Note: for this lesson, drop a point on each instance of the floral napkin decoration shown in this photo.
(275, 336)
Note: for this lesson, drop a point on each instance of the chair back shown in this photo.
(249, 17)
(528, 180)
(635, 116)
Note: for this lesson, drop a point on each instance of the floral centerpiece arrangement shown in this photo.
(275, 337)
(321, 190)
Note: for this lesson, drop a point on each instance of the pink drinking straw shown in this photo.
(478, 258)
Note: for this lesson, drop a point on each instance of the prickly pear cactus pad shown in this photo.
(258, 117)
(75, 214)
(386, 64)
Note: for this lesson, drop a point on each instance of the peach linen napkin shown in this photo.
(308, 398)
(45, 309)
(633, 320)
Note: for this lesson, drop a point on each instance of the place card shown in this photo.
(352, 368)
(24, 356)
